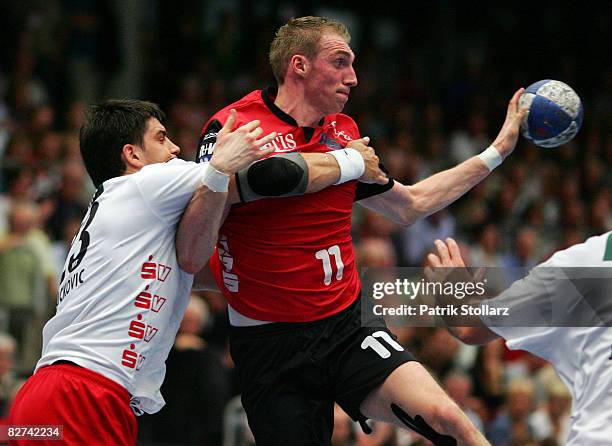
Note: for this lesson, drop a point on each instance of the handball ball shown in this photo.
(555, 113)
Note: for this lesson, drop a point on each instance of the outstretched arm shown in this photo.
(406, 204)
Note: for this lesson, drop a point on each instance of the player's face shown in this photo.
(157, 147)
(332, 76)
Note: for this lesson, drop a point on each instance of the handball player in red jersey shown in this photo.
(287, 266)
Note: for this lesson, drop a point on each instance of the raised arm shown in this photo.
(405, 204)
(197, 232)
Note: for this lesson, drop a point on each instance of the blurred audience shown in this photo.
(511, 425)
(551, 419)
(458, 385)
(8, 377)
(23, 293)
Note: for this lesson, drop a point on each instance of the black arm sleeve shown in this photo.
(365, 190)
(283, 175)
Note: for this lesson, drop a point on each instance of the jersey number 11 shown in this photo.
(325, 256)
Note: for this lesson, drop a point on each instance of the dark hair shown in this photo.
(107, 128)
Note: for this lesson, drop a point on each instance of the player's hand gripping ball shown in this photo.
(555, 113)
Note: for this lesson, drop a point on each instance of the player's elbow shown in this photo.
(421, 204)
(190, 263)
(410, 211)
(192, 252)
(188, 266)
(408, 218)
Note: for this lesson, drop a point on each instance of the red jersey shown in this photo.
(287, 259)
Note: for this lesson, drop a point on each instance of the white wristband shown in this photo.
(214, 180)
(351, 164)
(491, 157)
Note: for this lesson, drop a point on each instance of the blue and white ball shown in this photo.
(555, 113)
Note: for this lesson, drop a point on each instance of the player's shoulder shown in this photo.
(592, 252)
(341, 120)
(342, 126)
(248, 108)
(168, 169)
(175, 163)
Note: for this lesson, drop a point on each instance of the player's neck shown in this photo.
(295, 104)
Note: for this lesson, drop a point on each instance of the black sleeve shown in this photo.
(207, 141)
(365, 190)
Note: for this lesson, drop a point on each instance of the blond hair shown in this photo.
(301, 36)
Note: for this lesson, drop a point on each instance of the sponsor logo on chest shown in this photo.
(339, 133)
(329, 142)
(283, 143)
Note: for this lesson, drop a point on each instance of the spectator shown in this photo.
(19, 183)
(22, 283)
(487, 253)
(466, 140)
(67, 203)
(552, 419)
(377, 252)
(522, 257)
(438, 352)
(418, 238)
(488, 376)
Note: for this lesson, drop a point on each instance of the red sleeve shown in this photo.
(208, 136)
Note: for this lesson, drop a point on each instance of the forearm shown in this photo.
(197, 232)
(406, 204)
(468, 328)
(322, 170)
(439, 190)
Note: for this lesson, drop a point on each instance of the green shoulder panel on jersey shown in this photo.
(608, 251)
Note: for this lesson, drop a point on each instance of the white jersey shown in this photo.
(122, 294)
(580, 355)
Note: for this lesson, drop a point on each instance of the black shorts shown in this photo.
(292, 373)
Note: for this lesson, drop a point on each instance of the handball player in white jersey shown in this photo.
(575, 284)
(124, 287)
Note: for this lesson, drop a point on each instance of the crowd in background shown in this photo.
(433, 87)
